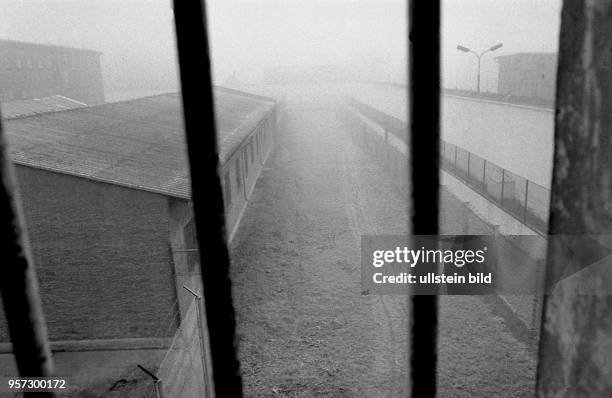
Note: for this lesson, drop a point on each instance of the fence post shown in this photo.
(244, 167)
(203, 346)
(159, 391)
(484, 175)
(503, 182)
(526, 195)
(455, 162)
(387, 149)
(467, 178)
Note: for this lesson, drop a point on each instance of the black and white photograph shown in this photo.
(306, 198)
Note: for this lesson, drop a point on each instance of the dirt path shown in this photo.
(304, 327)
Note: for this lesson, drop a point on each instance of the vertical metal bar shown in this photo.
(455, 164)
(193, 55)
(424, 38)
(18, 283)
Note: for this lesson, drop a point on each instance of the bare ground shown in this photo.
(304, 327)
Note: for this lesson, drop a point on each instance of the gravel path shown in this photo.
(304, 328)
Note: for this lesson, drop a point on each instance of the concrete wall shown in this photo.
(36, 70)
(100, 251)
(528, 74)
(517, 138)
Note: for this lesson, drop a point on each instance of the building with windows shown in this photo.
(107, 202)
(30, 70)
(527, 75)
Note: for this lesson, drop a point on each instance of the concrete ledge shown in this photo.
(483, 207)
(102, 345)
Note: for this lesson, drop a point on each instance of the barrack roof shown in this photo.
(138, 143)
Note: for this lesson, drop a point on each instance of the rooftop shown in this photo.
(527, 55)
(24, 45)
(28, 107)
(138, 143)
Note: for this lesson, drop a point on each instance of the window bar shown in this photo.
(194, 63)
(18, 283)
(424, 39)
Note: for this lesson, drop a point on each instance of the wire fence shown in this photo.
(182, 372)
(524, 199)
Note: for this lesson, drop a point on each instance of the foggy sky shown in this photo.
(137, 36)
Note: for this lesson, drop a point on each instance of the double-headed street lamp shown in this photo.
(467, 50)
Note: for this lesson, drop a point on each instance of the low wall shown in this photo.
(518, 138)
(520, 240)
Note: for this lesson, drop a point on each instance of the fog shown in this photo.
(251, 40)
(302, 180)
(521, 25)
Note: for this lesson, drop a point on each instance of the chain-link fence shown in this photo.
(183, 372)
(523, 199)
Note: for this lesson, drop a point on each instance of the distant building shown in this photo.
(29, 70)
(29, 107)
(528, 75)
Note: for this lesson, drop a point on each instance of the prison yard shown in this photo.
(305, 175)
(305, 325)
(299, 199)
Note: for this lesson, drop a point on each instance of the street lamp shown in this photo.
(467, 50)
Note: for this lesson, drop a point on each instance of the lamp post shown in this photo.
(467, 50)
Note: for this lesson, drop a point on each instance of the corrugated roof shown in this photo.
(138, 143)
(19, 108)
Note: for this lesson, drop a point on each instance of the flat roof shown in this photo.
(45, 47)
(524, 55)
(138, 143)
